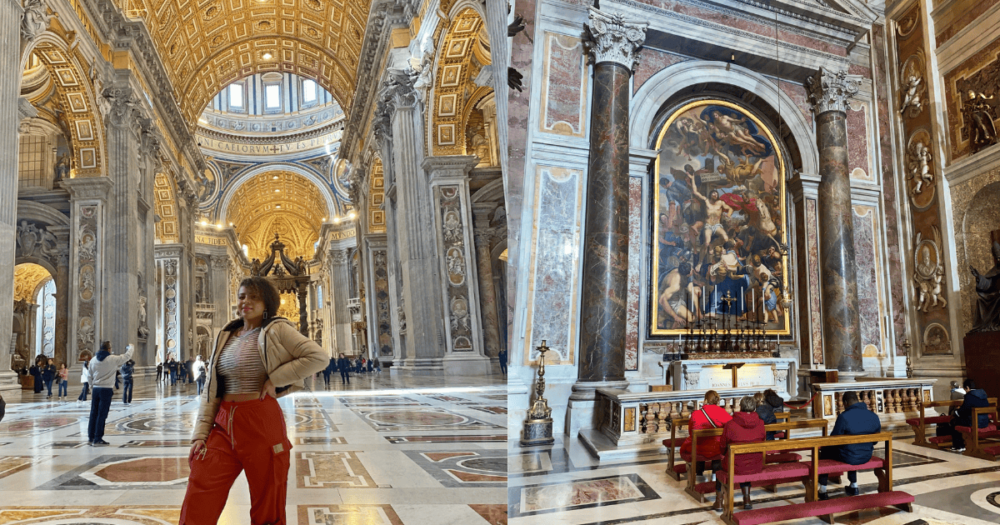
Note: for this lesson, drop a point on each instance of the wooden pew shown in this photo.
(813, 506)
(919, 424)
(678, 471)
(698, 490)
(977, 441)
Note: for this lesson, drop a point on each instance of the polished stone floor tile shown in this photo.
(360, 456)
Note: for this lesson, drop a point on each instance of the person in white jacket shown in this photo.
(198, 372)
(103, 368)
(85, 379)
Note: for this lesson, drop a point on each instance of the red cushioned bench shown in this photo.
(677, 471)
(920, 423)
(982, 442)
(809, 472)
(698, 490)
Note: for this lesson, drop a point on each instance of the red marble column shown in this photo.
(829, 92)
(615, 43)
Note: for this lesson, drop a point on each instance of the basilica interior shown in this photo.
(160, 151)
(738, 196)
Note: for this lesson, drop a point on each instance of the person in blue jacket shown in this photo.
(855, 420)
(127, 369)
(344, 365)
(329, 370)
(974, 398)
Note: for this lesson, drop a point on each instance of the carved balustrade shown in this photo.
(891, 399)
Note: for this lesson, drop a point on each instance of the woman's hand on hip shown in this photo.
(268, 390)
(198, 450)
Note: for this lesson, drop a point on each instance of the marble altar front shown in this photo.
(708, 374)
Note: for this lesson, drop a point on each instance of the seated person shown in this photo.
(745, 427)
(710, 415)
(769, 403)
(855, 420)
(974, 398)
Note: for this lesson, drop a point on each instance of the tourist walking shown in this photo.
(240, 427)
(378, 367)
(172, 366)
(370, 366)
(63, 376)
(127, 370)
(198, 369)
(344, 365)
(103, 369)
(159, 372)
(48, 376)
(327, 371)
(502, 358)
(85, 379)
(189, 369)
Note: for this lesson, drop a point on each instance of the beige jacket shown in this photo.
(288, 356)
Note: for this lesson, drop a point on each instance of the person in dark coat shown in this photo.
(127, 369)
(974, 398)
(189, 370)
(49, 375)
(855, 420)
(327, 371)
(344, 365)
(370, 366)
(36, 373)
(159, 373)
(745, 427)
(767, 407)
(502, 357)
(172, 366)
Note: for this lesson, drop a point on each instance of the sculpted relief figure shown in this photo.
(912, 94)
(919, 166)
(986, 313)
(36, 19)
(928, 274)
(978, 114)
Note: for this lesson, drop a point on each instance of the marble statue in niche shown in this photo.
(919, 166)
(143, 329)
(62, 168)
(36, 19)
(928, 272)
(986, 312)
(720, 228)
(978, 114)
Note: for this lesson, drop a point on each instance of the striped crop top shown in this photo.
(240, 366)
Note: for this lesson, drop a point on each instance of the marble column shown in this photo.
(828, 92)
(10, 57)
(459, 290)
(340, 292)
(496, 28)
(616, 42)
(219, 287)
(487, 290)
(170, 260)
(61, 277)
(416, 242)
(120, 295)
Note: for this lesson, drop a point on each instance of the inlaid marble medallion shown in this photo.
(119, 472)
(389, 420)
(472, 468)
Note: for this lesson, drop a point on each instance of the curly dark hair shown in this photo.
(263, 289)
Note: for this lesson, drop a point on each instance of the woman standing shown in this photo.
(240, 427)
(48, 376)
(85, 379)
(63, 382)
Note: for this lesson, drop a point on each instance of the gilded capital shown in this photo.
(829, 90)
(614, 38)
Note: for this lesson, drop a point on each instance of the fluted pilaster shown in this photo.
(10, 46)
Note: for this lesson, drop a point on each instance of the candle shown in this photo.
(741, 299)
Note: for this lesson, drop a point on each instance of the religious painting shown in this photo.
(66, 77)
(88, 158)
(720, 249)
(77, 104)
(446, 134)
(84, 130)
(452, 74)
(457, 48)
(447, 106)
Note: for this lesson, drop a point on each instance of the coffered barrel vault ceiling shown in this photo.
(207, 45)
(278, 202)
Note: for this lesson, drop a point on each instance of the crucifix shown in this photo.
(735, 367)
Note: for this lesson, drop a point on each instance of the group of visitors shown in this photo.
(44, 373)
(188, 372)
(747, 426)
(346, 365)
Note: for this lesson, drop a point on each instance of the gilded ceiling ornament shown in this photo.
(829, 90)
(613, 38)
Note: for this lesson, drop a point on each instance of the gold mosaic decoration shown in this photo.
(278, 202)
(27, 278)
(206, 46)
(165, 204)
(463, 54)
(376, 196)
(74, 98)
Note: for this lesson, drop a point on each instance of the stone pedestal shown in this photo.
(829, 92)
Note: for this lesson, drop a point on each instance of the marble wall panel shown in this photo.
(890, 206)
(797, 92)
(958, 17)
(518, 119)
(382, 304)
(651, 62)
(459, 296)
(563, 86)
(732, 20)
(634, 267)
(812, 263)
(869, 264)
(857, 142)
(555, 259)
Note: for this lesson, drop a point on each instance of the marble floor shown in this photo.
(565, 485)
(386, 450)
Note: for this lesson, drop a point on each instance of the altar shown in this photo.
(713, 374)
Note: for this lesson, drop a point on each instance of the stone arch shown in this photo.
(77, 99)
(452, 67)
(647, 104)
(33, 211)
(240, 179)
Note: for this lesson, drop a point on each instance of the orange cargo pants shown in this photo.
(247, 436)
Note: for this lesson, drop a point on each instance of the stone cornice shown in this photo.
(271, 139)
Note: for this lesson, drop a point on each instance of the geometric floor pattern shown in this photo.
(565, 485)
(359, 456)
